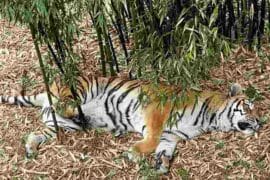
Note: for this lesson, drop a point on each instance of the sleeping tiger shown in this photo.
(115, 105)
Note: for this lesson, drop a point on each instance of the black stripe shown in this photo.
(79, 87)
(183, 134)
(27, 100)
(179, 117)
(220, 114)
(120, 114)
(104, 126)
(201, 110)
(97, 85)
(124, 95)
(84, 97)
(182, 114)
(15, 100)
(158, 156)
(195, 103)
(165, 139)
(205, 111)
(229, 113)
(91, 87)
(115, 88)
(239, 110)
(112, 116)
(170, 132)
(85, 91)
(52, 129)
(82, 92)
(85, 80)
(237, 105)
(231, 120)
(212, 118)
(69, 127)
(3, 99)
(127, 114)
(136, 106)
(107, 85)
(236, 109)
(120, 100)
(47, 134)
(47, 111)
(143, 128)
(230, 109)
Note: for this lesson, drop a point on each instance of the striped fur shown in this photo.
(114, 104)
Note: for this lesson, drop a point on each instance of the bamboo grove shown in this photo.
(174, 41)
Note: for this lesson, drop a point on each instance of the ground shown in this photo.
(98, 155)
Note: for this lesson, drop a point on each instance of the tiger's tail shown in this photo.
(28, 101)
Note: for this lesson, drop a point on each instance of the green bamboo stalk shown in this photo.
(45, 78)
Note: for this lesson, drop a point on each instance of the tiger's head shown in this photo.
(241, 113)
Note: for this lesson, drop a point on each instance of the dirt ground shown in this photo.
(98, 155)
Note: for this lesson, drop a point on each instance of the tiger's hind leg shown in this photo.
(154, 126)
(35, 139)
(164, 151)
(147, 145)
(143, 147)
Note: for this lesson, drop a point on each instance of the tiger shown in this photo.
(116, 105)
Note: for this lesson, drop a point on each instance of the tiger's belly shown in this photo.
(124, 117)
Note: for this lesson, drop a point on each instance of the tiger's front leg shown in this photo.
(164, 151)
(35, 139)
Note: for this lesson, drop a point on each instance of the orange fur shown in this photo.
(155, 117)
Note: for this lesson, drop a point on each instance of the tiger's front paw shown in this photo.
(31, 146)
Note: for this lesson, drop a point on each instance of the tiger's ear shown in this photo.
(235, 90)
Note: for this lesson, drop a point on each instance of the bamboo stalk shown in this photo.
(101, 47)
(120, 32)
(45, 78)
(243, 14)
(58, 63)
(253, 26)
(261, 22)
(108, 52)
(124, 23)
(223, 20)
(113, 53)
(44, 33)
(231, 25)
